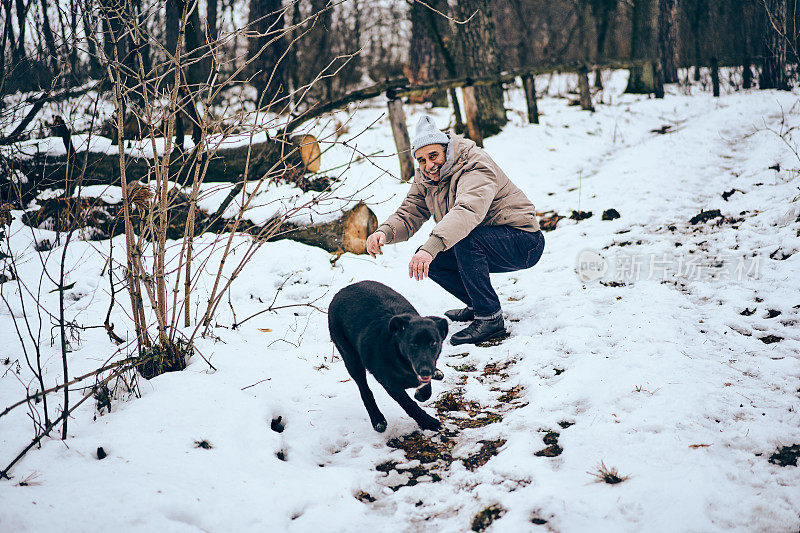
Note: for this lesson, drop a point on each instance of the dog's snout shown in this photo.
(425, 370)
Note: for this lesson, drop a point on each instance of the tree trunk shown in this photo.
(773, 74)
(642, 78)
(194, 67)
(583, 89)
(294, 157)
(697, 13)
(529, 84)
(715, 76)
(90, 30)
(49, 39)
(266, 50)
(603, 11)
(315, 54)
(668, 39)
(478, 57)
(444, 43)
(425, 63)
(20, 56)
(211, 20)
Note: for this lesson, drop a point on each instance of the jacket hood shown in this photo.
(456, 157)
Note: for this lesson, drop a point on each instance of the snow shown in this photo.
(659, 374)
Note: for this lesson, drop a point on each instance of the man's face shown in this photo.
(430, 159)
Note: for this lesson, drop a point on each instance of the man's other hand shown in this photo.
(418, 267)
(374, 243)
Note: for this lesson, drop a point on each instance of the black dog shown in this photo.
(376, 329)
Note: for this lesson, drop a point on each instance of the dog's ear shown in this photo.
(398, 323)
(441, 325)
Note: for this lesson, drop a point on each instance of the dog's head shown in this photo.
(420, 341)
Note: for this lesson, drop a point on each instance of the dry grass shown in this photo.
(608, 475)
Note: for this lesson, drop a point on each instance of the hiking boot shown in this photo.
(479, 331)
(460, 315)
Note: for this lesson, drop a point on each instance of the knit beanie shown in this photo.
(427, 133)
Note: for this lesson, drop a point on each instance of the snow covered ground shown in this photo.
(678, 367)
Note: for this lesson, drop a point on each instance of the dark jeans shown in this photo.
(463, 270)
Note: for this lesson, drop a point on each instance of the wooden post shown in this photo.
(397, 118)
(529, 84)
(583, 88)
(715, 75)
(456, 111)
(471, 111)
(747, 74)
(658, 79)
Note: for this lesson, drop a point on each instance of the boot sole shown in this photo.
(490, 337)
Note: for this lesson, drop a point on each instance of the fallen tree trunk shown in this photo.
(299, 155)
(96, 219)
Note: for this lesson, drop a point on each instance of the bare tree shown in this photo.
(775, 40)
(477, 56)
(266, 51)
(425, 61)
(668, 39)
(642, 77)
(603, 11)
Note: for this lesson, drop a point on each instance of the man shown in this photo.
(484, 224)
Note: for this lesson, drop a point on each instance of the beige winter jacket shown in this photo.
(473, 192)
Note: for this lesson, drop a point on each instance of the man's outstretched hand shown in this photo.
(374, 243)
(418, 267)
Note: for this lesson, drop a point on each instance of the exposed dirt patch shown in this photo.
(428, 458)
(612, 284)
(549, 223)
(772, 313)
(610, 214)
(364, 497)
(748, 312)
(496, 370)
(453, 402)
(728, 194)
(786, 455)
(770, 339)
(277, 424)
(580, 215)
(553, 449)
(489, 448)
(510, 395)
(714, 214)
(780, 255)
(485, 518)
(495, 341)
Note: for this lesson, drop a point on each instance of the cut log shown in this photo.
(294, 158)
(348, 233)
(310, 153)
(98, 220)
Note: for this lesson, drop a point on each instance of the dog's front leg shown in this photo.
(422, 418)
(359, 375)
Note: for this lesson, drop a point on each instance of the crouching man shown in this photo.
(484, 224)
